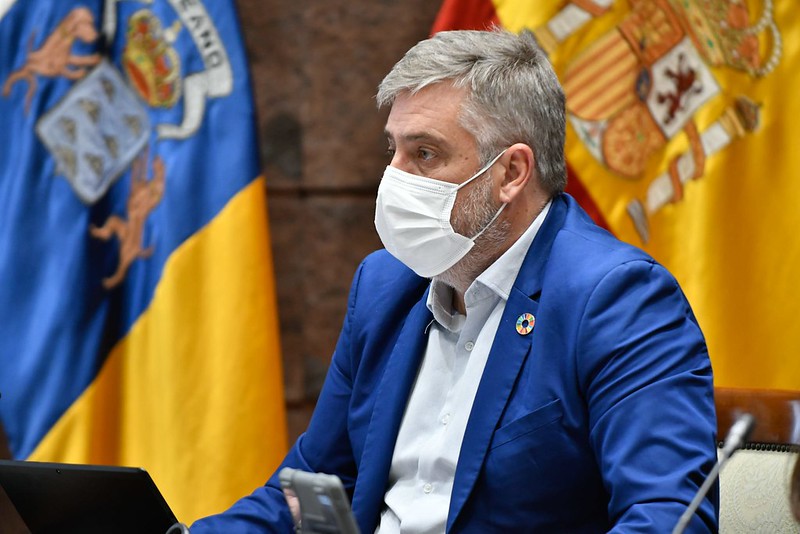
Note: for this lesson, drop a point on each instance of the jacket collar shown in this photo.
(529, 280)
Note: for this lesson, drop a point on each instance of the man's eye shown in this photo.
(424, 154)
(390, 152)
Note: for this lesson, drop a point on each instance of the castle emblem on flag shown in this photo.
(639, 86)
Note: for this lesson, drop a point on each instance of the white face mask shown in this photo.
(412, 217)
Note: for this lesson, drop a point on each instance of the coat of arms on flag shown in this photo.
(101, 125)
(640, 85)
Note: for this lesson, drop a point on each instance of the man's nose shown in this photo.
(399, 161)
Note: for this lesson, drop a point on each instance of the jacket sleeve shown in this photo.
(647, 380)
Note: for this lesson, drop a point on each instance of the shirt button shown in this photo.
(469, 345)
(445, 418)
(427, 488)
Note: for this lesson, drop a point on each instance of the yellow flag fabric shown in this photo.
(682, 129)
(193, 392)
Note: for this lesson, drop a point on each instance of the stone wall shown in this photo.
(315, 68)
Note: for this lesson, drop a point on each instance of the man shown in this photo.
(547, 378)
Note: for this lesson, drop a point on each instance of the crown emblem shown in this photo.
(150, 61)
(724, 35)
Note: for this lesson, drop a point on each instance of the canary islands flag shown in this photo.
(137, 308)
(680, 140)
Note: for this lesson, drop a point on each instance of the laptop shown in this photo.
(40, 497)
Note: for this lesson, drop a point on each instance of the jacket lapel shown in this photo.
(390, 403)
(509, 352)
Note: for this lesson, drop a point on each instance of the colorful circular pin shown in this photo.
(525, 324)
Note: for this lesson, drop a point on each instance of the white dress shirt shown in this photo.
(429, 441)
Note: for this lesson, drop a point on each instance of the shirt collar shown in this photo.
(440, 303)
(498, 279)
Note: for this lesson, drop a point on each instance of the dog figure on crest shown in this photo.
(143, 198)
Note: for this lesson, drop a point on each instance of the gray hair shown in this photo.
(513, 94)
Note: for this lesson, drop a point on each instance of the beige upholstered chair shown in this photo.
(755, 483)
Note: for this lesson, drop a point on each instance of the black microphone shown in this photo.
(737, 435)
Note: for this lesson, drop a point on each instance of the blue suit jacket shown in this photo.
(600, 419)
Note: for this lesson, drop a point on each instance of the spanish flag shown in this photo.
(680, 141)
(137, 306)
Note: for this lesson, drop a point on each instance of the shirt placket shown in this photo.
(440, 459)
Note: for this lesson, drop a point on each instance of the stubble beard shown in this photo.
(474, 214)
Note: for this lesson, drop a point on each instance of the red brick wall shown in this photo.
(315, 68)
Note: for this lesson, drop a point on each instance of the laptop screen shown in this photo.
(53, 497)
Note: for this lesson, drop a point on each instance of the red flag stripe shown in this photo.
(465, 15)
(576, 188)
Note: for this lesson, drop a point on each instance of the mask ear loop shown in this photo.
(483, 169)
(498, 212)
(496, 215)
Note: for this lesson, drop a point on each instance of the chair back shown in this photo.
(755, 484)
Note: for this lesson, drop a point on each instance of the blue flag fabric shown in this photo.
(108, 113)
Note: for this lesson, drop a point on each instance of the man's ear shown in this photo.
(519, 171)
